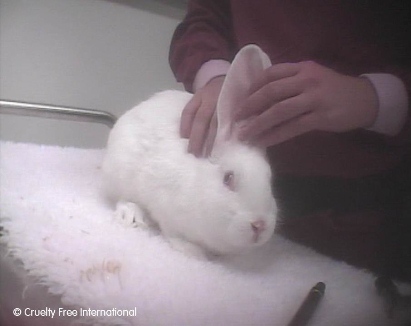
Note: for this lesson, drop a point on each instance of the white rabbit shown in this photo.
(221, 204)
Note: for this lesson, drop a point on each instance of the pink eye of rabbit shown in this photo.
(229, 179)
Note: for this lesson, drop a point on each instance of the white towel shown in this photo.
(60, 226)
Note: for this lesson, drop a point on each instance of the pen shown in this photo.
(307, 308)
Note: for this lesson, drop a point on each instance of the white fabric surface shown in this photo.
(59, 224)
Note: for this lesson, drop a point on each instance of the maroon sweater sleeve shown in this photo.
(347, 36)
(203, 35)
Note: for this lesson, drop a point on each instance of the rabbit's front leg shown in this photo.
(130, 214)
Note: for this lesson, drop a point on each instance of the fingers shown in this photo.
(199, 120)
(291, 99)
(275, 84)
(286, 131)
(275, 116)
(269, 95)
(212, 132)
(200, 128)
(275, 72)
(283, 104)
(188, 115)
(196, 120)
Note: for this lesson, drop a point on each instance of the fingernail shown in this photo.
(198, 153)
(184, 133)
(190, 150)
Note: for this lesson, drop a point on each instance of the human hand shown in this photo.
(291, 99)
(199, 119)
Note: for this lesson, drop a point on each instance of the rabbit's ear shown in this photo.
(247, 65)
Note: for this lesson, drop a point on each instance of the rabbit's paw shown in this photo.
(129, 214)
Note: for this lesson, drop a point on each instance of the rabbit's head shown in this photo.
(243, 211)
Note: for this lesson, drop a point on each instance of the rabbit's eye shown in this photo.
(229, 179)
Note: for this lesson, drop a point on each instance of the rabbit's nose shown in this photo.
(258, 226)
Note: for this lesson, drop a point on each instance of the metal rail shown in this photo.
(56, 112)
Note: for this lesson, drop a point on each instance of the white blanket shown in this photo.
(59, 225)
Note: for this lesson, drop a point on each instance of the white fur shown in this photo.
(147, 164)
(59, 228)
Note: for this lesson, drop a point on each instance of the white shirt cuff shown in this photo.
(210, 70)
(392, 103)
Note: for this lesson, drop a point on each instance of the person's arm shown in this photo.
(200, 54)
(292, 99)
(203, 36)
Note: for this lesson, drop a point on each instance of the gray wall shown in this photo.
(94, 54)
